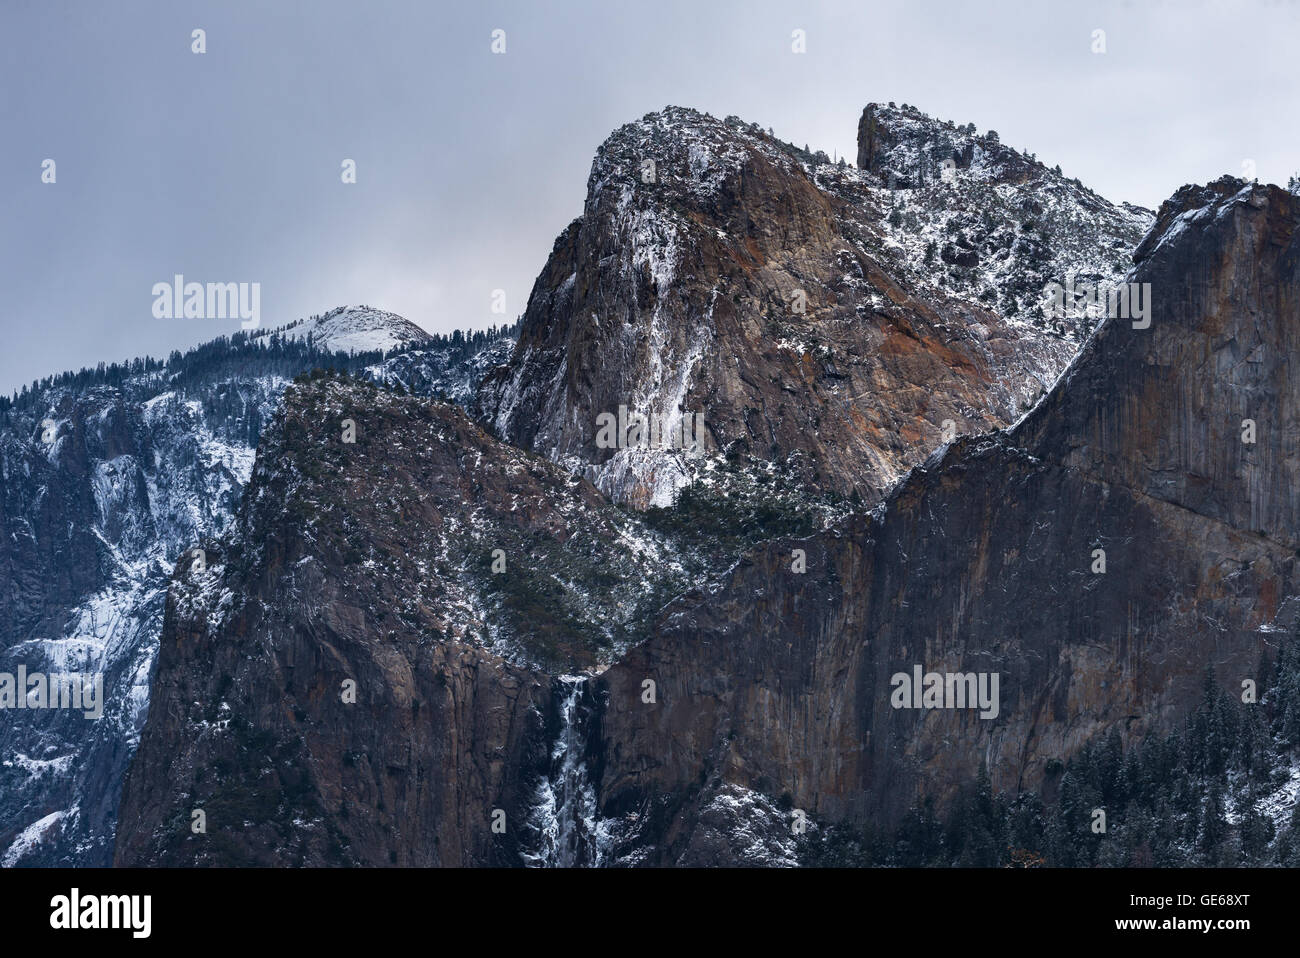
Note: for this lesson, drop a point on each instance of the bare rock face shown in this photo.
(718, 272)
(1223, 442)
(985, 560)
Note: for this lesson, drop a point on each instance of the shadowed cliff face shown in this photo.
(718, 271)
(251, 721)
(983, 561)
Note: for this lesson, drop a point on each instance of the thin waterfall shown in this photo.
(564, 819)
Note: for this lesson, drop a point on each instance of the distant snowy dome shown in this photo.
(357, 329)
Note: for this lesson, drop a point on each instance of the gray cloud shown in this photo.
(225, 166)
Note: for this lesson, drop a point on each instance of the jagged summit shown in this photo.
(958, 211)
(979, 218)
(905, 147)
(358, 329)
(822, 324)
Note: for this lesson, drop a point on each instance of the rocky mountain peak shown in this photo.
(685, 149)
(905, 147)
(817, 322)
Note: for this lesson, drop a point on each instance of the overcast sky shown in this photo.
(225, 166)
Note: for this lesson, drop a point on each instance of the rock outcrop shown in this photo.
(719, 272)
(436, 570)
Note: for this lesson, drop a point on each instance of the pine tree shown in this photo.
(1254, 745)
(1256, 832)
(1214, 827)
(1138, 836)
(982, 839)
(1286, 724)
(918, 838)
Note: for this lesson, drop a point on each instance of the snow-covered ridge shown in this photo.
(357, 329)
(956, 211)
(976, 219)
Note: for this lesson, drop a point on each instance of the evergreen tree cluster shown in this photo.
(1194, 797)
(203, 372)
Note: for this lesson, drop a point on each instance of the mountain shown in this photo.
(107, 477)
(470, 643)
(795, 306)
(440, 620)
(765, 689)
